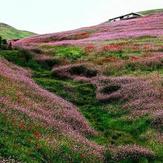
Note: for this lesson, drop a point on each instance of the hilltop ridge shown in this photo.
(8, 32)
(151, 25)
(148, 12)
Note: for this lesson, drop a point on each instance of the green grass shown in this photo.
(110, 120)
(71, 53)
(151, 11)
(8, 32)
(125, 54)
(19, 141)
(21, 144)
(135, 68)
(81, 94)
(21, 58)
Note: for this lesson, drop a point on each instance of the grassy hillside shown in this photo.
(8, 32)
(101, 34)
(84, 96)
(117, 126)
(151, 11)
(37, 126)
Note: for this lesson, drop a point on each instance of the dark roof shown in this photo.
(132, 13)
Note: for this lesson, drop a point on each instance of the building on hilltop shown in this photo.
(126, 17)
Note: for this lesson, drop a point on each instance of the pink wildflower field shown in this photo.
(151, 25)
(93, 94)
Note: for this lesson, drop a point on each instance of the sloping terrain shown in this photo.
(148, 12)
(9, 33)
(36, 111)
(93, 94)
(150, 25)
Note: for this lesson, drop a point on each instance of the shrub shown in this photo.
(3, 44)
(110, 89)
(48, 63)
(0, 42)
(27, 55)
(82, 70)
(38, 51)
(21, 57)
(108, 157)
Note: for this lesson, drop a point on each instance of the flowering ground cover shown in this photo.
(89, 95)
(109, 120)
(36, 113)
(150, 25)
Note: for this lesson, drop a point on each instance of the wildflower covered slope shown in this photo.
(45, 115)
(149, 25)
(92, 95)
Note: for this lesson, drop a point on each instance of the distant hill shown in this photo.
(144, 26)
(150, 11)
(8, 32)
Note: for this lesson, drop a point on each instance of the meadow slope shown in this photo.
(94, 94)
(149, 25)
(9, 32)
(29, 108)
